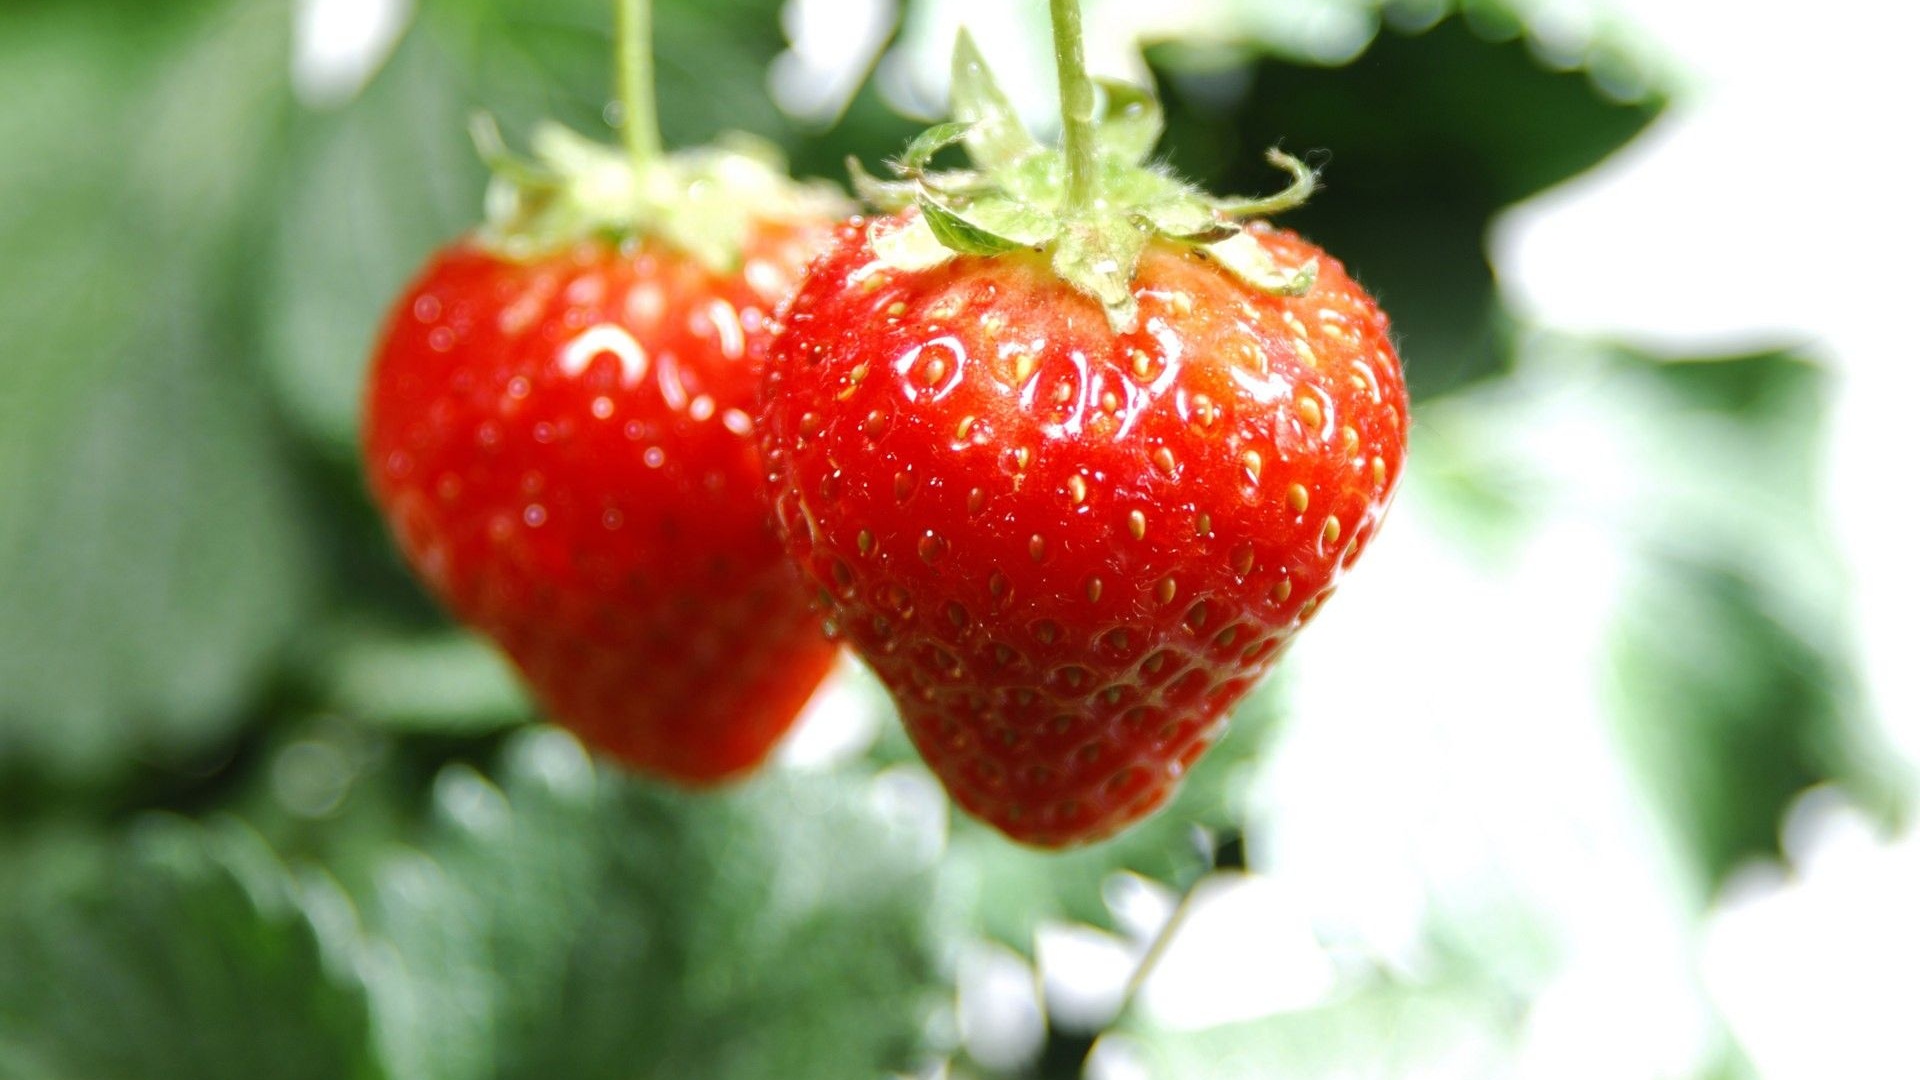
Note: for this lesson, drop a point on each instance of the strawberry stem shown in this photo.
(633, 52)
(1076, 104)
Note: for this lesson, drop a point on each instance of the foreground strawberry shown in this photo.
(1071, 478)
(558, 428)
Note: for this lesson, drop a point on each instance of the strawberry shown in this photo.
(559, 432)
(1070, 480)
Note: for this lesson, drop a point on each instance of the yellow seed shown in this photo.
(1281, 590)
(1077, 489)
(1379, 470)
(935, 370)
(1305, 352)
(976, 501)
(1349, 439)
(873, 282)
(997, 584)
(1093, 590)
(1204, 412)
(1164, 591)
(1022, 367)
(1137, 524)
(865, 540)
(898, 307)
(1142, 364)
(932, 547)
(1251, 461)
(1309, 409)
(1037, 547)
(1243, 559)
(1163, 460)
(1063, 393)
(1330, 534)
(1297, 497)
(961, 432)
(1202, 524)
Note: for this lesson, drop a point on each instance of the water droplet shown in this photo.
(534, 515)
(519, 387)
(737, 421)
(441, 339)
(654, 457)
(611, 519)
(702, 408)
(426, 308)
(602, 407)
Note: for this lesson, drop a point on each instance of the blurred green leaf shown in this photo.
(184, 954)
(1426, 135)
(1734, 687)
(1387, 1029)
(577, 923)
(152, 552)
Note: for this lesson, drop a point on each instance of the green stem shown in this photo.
(1076, 103)
(633, 45)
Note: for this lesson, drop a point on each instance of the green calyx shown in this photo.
(1016, 196)
(702, 201)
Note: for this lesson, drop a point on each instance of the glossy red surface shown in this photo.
(564, 450)
(1068, 552)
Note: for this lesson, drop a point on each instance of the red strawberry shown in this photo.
(1069, 539)
(559, 431)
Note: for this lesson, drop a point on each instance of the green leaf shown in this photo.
(1252, 263)
(1429, 134)
(1132, 124)
(913, 246)
(1386, 1030)
(919, 153)
(996, 139)
(959, 234)
(573, 922)
(186, 952)
(153, 551)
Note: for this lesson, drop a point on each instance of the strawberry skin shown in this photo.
(563, 447)
(1068, 551)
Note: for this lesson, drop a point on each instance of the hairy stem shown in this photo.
(1076, 103)
(633, 50)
